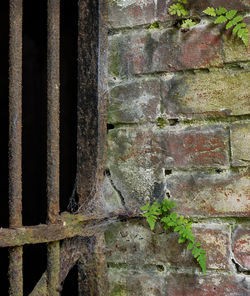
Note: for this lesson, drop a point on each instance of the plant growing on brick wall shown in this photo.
(161, 212)
(230, 18)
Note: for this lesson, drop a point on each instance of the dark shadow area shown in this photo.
(4, 253)
(68, 116)
(4, 129)
(34, 265)
(34, 111)
(70, 285)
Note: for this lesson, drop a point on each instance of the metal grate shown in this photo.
(63, 232)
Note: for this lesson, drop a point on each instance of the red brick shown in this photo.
(164, 50)
(182, 284)
(206, 194)
(131, 13)
(205, 146)
(216, 241)
(241, 246)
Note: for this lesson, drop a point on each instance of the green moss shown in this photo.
(155, 25)
(161, 123)
(118, 290)
(114, 66)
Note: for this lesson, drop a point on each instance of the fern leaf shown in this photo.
(177, 9)
(221, 10)
(221, 19)
(188, 23)
(231, 14)
(181, 240)
(210, 11)
(243, 35)
(238, 26)
(202, 260)
(145, 208)
(237, 19)
(190, 245)
(229, 25)
(151, 221)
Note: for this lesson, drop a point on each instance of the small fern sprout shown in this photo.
(160, 212)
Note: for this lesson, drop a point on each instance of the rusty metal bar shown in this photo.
(92, 268)
(15, 142)
(70, 226)
(53, 144)
(53, 94)
(15, 114)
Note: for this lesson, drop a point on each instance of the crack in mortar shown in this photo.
(108, 174)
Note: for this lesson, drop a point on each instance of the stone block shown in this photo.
(137, 156)
(240, 143)
(129, 13)
(209, 194)
(131, 282)
(149, 51)
(135, 244)
(206, 94)
(183, 284)
(241, 246)
(137, 101)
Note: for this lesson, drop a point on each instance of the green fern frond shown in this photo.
(160, 212)
(221, 19)
(243, 35)
(221, 10)
(238, 26)
(210, 11)
(177, 9)
(231, 14)
(188, 23)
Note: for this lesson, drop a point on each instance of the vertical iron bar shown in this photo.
(53, 156)
(53, 56)
(15, 142)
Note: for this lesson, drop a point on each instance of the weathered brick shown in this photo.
(241, 246)
(136, 282)
(138, 156)
(164, 50)
(144, 281)
(207, 94)
(129, 13)
(135, 244)
(181, 284)
(196, 6)
(137, 101)
(207, 194)
(240, 143)
(183, 147)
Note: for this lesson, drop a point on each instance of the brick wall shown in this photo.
(179, 105)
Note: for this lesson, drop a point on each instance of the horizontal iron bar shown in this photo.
(70, 226)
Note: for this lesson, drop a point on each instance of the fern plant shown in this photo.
(178, 8)
(161, 212)
(231, 19)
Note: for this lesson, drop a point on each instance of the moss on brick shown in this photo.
(118, 290)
